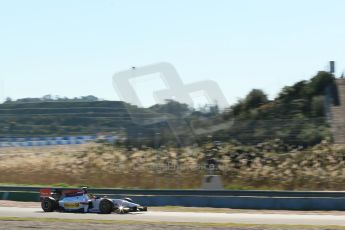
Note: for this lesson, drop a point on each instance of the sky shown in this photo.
(73, 47)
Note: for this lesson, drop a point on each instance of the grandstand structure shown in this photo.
(26, 124)
(46, 141)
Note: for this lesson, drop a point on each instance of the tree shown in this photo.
(318, 83)
(8, 100)
(318, 106)
(254, 99)
(172, 107)
(47, 97)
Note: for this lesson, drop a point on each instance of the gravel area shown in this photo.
(39, 224)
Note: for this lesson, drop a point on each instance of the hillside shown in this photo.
(61, 118)
(297, 116)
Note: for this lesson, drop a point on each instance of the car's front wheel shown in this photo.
(143, 209)
(106, 206)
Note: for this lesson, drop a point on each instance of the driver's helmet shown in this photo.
(128, 199)
(84, 189)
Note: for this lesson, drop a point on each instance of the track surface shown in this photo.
(241, 218)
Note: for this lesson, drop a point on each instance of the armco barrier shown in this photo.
(19, 196)
(269, 203)
(195, 192)
(272, 200)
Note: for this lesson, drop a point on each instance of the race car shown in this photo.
(79, 200)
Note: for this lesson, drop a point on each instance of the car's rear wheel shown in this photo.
(49, 204)
(106, 206)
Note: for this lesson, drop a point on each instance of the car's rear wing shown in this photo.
(45, 192)
(48, 192)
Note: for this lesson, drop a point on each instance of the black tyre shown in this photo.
(106, 206)
(48, 204)
(143, 209)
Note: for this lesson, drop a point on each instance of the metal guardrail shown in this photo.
(270, 200)
(222, 193)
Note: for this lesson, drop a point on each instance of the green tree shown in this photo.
(318, 106)
(254, 99)
(172, 107)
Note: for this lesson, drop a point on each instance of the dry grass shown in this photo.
(92, 164)
(254, 167)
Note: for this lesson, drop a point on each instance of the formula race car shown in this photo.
(79, 200)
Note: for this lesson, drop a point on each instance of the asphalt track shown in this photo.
(192, 217)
